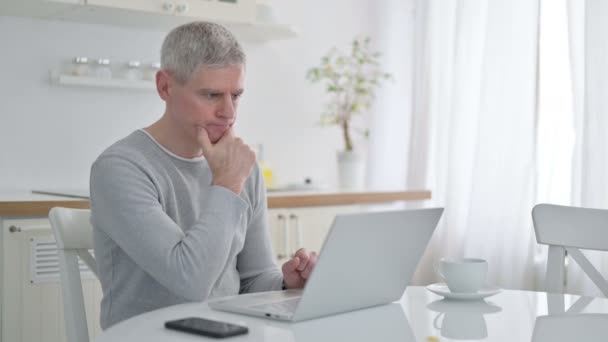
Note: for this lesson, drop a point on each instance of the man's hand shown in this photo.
(297, 270)
(230, 159)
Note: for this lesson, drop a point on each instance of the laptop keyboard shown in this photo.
(287, 306)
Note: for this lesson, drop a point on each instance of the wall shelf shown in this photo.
(144, 18)
(84, 81)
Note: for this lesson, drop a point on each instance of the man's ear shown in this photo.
(164, 82)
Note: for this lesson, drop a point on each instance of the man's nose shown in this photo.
(228, 109)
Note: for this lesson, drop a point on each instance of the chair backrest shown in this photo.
(74, 235)
(566, 229)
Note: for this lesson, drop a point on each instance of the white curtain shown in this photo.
(506, 106)
(471, 130)
(589, 60)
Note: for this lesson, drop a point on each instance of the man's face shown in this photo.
(209, 99)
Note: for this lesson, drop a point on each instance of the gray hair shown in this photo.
(189, 46)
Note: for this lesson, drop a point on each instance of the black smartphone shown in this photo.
(206, 327)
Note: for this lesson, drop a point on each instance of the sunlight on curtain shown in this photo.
(589, 53)
(505, 106)
(472, 133)
(555, 107)
(555, 117)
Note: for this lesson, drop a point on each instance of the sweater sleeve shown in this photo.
(125, 205)
(255, 263)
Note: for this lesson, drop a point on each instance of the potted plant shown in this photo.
(351, 81)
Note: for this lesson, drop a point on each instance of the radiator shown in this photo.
(32, 307)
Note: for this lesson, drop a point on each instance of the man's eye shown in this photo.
(213, 96)
(236, 96)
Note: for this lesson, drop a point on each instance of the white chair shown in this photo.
(566, 229)
(74, 235)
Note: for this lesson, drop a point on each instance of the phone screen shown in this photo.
(206, 327)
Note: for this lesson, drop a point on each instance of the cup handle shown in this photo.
(435, 323)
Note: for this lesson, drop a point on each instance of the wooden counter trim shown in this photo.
(42, 208)
(331, 199)
(37, 208)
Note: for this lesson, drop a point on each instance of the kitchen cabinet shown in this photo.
(243, 11)
(230, 11)
(303, 219)
(31, 298)
(295, 219)
(306, 227)
(30, 292)
(239, 16)
(294, 228)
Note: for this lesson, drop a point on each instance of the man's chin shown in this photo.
(215, 134)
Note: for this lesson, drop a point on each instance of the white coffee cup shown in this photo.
(463, 275)
(462, 325)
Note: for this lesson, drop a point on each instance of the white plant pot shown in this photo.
(351, 170)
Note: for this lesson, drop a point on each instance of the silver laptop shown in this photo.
(367, 260)
(571, 327)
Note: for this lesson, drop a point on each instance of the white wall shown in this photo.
(49, 134)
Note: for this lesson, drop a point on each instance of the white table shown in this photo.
(508, 316)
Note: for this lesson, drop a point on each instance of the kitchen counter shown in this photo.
(20, 204)
(321, 199)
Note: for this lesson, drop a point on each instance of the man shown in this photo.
(179, 208)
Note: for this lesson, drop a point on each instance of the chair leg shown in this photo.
(74, 312)
(555, 269)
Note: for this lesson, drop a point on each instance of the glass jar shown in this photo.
(133, 71)
(80, 66)
(102, 69)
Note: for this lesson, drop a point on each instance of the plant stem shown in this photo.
(347, 141)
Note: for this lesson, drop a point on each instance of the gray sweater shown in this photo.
(163, 235)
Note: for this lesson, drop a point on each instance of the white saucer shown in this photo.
(442, 290)
(459, 306)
